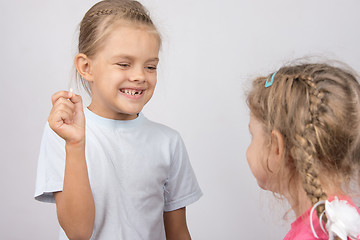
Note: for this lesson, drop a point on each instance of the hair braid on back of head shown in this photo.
(307, 139)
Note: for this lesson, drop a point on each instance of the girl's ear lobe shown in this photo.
(277, 150)
(83, 66)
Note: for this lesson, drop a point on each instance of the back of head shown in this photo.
(316, 108)
(100, 19)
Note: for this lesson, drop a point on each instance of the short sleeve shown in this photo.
(51, 166)
(181, 188)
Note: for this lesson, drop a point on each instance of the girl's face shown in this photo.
(124, 72)
(257, 154)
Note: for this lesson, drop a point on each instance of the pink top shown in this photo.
(301, 230)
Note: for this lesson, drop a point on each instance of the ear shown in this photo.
(277, 151)
(83, 66)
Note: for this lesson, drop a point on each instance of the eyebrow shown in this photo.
(153, 60)
(127, 57)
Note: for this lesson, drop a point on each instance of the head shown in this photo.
(309, 119)
(119, 43)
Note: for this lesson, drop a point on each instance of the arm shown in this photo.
(75, 203)
(175, 225)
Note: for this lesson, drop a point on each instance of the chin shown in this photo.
(131, 110)
(263, 186)
(132, 113)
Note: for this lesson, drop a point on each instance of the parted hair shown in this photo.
(99, 20)
(317, 110)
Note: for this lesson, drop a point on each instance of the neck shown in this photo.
(111, 114)
(299, 200)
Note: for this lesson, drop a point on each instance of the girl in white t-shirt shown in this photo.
(112, 173)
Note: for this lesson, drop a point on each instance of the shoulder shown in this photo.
(301, 228)
(161, 129)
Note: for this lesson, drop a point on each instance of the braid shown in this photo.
(307, 139)
(103, 12)
(130, 13)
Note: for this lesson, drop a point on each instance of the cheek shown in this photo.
(248, 155)
(254, 158)
(250, 158)
(152, 80)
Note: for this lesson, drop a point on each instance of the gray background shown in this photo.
(211, 51)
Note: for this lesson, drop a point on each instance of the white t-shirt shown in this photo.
(137, 170)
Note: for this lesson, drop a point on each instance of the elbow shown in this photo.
(79, 232)
(79, 235)
(79, 229)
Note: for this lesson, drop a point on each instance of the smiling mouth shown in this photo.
(131, 92)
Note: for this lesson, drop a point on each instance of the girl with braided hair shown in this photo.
(113, 173)
(305, 127)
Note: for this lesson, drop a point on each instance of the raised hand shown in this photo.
(67, 117)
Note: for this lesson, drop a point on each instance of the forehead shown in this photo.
(255, 124)
(130, 35)
(125, 38)
(252, 120)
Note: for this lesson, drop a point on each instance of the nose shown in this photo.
(137, 75)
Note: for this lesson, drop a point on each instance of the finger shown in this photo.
(62, 109)
(65, 106)
(64, 103)
(63, 94)
(77, 101)
(59, 118)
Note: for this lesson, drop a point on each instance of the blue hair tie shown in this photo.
(267, 83)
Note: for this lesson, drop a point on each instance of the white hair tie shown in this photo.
(343, 220)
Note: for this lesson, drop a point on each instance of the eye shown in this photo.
(151, 68)
(123, 65)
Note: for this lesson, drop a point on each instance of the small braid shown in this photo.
(103, 12)
(131, 13)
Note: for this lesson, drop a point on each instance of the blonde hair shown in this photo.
(99, 20)
(316, 108)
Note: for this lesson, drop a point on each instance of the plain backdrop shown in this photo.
(211, 51)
